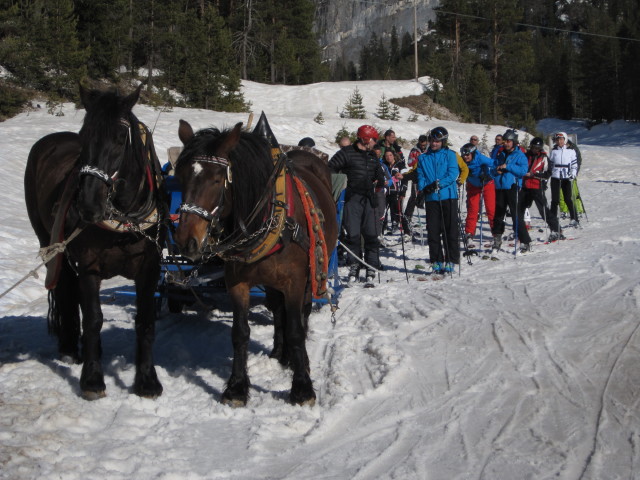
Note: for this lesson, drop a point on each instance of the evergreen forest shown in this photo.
(495, 61)
(516, 61)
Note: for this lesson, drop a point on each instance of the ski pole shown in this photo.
(481, 202)
(578, 196)
(573, 201)
(544, 208)
(404, 257)
(515, 223)
(443, 229)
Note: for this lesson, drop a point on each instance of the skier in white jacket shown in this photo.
(564, 169)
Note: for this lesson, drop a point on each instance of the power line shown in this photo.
(553, 29)
(386, 3)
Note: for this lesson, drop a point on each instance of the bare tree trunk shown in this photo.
(151, 49)
(245, 38)
(495, 39)
(130, 60)
(272, 61)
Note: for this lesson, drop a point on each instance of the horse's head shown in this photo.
(108, 134)
(204, 172)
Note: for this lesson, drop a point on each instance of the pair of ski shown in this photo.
(365, 284)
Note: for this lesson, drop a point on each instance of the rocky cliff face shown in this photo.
(344, 26)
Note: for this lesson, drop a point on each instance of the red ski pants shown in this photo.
(473, 205)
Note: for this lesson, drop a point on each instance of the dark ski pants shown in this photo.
(537, 196)
(512, 198)
(394, 202)
(380, 211)
(442, 230)
(359, 220)
(413, 193)
(565, 184)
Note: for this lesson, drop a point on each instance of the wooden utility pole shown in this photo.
(415, 36)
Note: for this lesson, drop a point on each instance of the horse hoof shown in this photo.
(302, 392)
(147, 392)
(234, 402)
(91, 396)
(69, 359)
(147, 386)
(306, 403)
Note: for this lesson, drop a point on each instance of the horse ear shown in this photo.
(86, 97)
(130, 100)
(185, 132)
(231, 140)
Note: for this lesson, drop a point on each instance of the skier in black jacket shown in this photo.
(364, 174)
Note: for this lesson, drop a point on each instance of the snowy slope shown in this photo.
(522, 368)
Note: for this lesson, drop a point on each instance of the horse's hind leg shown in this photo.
(92, 377)
(146, 383)
(237, 392)
(64, 314)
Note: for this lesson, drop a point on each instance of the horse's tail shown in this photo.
(54, 324)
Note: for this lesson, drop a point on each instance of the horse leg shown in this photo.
(237, 391)
(92, 378)
(302, 392)
(275, 303)
(306, 313)
(146, 383)
(64, 314)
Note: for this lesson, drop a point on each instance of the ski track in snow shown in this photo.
(522, 368)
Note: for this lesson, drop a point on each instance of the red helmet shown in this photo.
(367, 132)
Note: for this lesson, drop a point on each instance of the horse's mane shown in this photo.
(251, 166)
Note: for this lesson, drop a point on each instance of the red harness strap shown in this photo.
(316, 242)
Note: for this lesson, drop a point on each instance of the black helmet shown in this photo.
(439, 134)
(307, 142)
(468, 148)
(536, 142)
(510, 135)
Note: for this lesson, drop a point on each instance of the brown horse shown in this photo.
(105, 183)
(232, 209)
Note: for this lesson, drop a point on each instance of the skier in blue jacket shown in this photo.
(437, 174)
(509, 167)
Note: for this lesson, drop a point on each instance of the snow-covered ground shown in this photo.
(523, 368)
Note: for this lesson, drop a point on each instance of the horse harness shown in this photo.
(279, 225)
(119, 222)
(148, 215)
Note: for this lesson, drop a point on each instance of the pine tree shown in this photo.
(384, 109)
(103, 28)
(62, 60)
(395, 112)
(354, 108)
(208, 79)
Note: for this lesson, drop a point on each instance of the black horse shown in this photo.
(104, 184)
(234, 208)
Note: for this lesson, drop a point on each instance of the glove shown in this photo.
(432, 187)
(484, 178)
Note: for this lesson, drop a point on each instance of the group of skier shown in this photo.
(509, 180)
